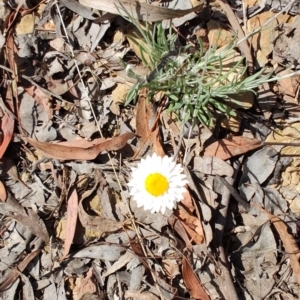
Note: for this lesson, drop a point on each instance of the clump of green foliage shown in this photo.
(199, 84)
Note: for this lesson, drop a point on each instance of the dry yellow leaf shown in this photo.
(290, 134)
(290, 185)
(119, 93)
(61, 229)
(232, 123)
(217, 34)
(250, 3)
(26, 24)
(295, 206)
(119, 36)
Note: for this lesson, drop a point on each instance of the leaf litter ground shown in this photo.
(69, 229)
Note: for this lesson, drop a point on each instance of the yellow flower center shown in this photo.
(156, 184)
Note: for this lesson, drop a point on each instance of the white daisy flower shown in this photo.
(157, 183)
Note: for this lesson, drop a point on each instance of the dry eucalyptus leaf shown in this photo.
(7, 129)
(121, 262)
(138, 10)
(289, 86)
(67, 153)
(103, 252)
(217, 34)
(137, 42)
(260, 165)
(192, 282)
(212, 166)
(233, 146)
(179, 5)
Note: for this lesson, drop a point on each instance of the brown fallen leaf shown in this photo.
(82, 143)
(7, 128)
(187, 201)
(144, 113)
(85, 285)
(138, 10)
(15, 273)
(72, 213)
(157, 146)
(233, 146)
(192, 225)
(69, 153)
(192, 282)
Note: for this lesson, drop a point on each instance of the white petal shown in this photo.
(170, 170)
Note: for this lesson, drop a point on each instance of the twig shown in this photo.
(245, 48)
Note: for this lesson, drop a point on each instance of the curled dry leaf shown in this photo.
(69, 153)
(120, 263)
(233, 146)
(139, 10)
